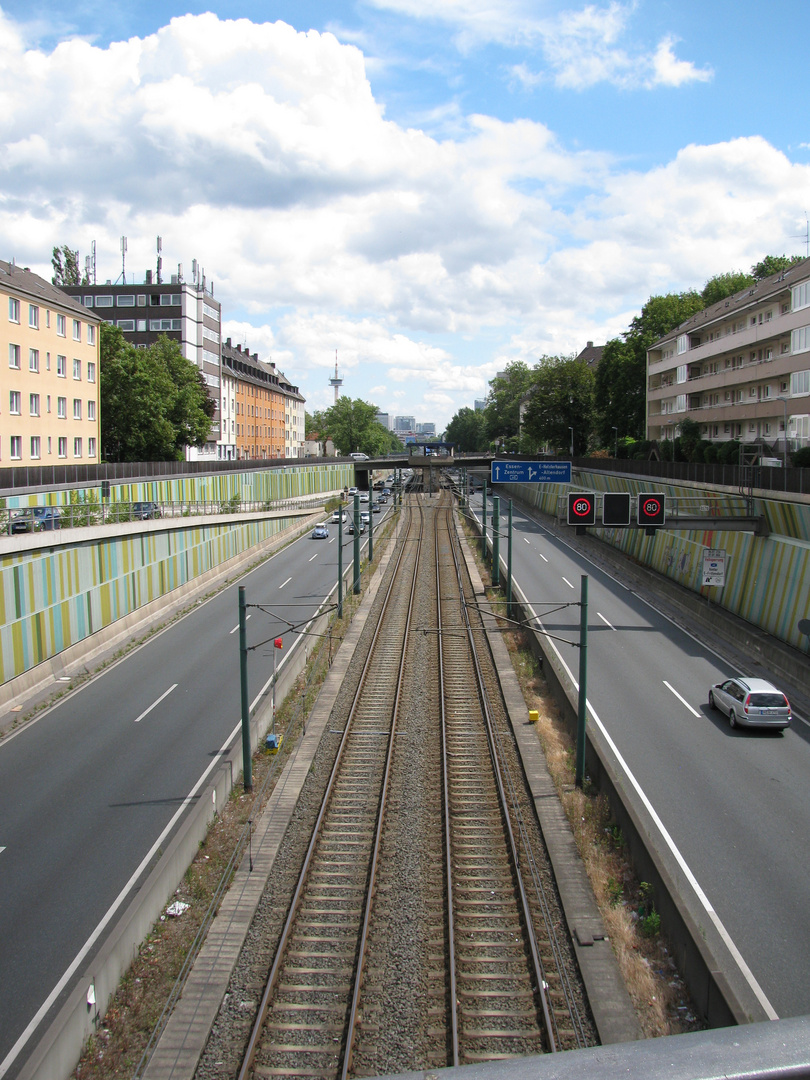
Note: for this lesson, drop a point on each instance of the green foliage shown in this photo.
(562, 397)
(773, 264)
(83, 509)
(720, 286)
(502, 412)
(65, 264)
(801, 457)
(615, 892)
(352, 426)
(154, 402)
(666, 450)
(688, 439)
(728, 453)
(467, 430)
(232, 505)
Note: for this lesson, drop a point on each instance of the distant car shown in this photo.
(145, 511)
(36, 519)
(386, 492)
(389, 479)
(352, 491)
(379, 484)
(375, 509)
(361, 528)
(365, 516)
(338, 516)
(320, 532)
(363, 496)
(750, 702)
(359, 457)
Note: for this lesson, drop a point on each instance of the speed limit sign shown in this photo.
(581, 508)
(652, 508)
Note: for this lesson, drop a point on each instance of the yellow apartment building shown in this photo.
(50, 365)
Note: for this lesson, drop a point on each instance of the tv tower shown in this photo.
(336, 381)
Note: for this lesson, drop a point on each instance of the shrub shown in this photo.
(801, 458)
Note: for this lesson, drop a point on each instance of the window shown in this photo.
(48, 402)
(77, 448)
(77, 369)
(33, 404)
(61, 366)
(77, 330)
(127, 325)
(141, 326)
(170, 300)
(88, 301)
(77, 408)
(680, 403)
(62, 448)
(14, 356)
(800, 339)
(33, 360)
(681, 344)
(91, 371)
(125, 301)
(14, 402)
(91, 410)
(35, 444)
(164, 324)
(91, 447)
(47, 361)
(33, 316)
(13, 310)
(91, 334)
(800, 295)
(141, 300)
(799, 383)
(16, 447)
(681, 373)
(104, 301)
(61, 325)
(61, 408)
(212, 313)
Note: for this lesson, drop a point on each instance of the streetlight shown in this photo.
(784, 401)
(572, 440)
(615, 442)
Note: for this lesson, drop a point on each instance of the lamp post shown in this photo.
(615, 441)
(784, 448)
(572, 440)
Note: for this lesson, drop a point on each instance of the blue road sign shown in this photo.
(531, 472)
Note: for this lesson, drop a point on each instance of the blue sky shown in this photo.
(433, 189)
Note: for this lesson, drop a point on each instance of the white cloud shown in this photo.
(427, 263)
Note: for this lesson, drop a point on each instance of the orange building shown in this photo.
(256, 407)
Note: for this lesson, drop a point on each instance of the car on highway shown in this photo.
(36, 519)
(338, 516)
(375, 508)
(363, 496)
(365, 516)
(750, 702)
(359, 457)
(361, 527)
(320, 532)
(352, 491)
(145, 511)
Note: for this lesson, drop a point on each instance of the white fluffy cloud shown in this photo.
(427, 263)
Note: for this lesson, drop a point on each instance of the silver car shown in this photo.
(749, 702)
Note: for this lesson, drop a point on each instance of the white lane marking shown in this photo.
(568, 583)
(682, 700)
(154, 703)
(215, 762)
(526, 540)
(2, 849)
(249, 615)
(287, 582)
(315, 556)
(703, 899)
(604, 620)
(542, 556)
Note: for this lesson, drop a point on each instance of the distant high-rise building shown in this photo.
(404, 423)
(384, 419)
(480, 404)
(425, 429)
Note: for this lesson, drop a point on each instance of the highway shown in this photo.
(93, 787)
(733, 804)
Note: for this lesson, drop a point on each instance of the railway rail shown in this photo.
(424, 930)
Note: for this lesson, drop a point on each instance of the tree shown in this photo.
(352, 426)
(561, 399)
(468, 431)
(154, 402)
(720, 286)
(688, 439)
(65, 264)
(773, 264)
(507, 390)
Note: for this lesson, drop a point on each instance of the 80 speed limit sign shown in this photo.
(581, 508)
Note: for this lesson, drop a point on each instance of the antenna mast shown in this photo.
(336, 381)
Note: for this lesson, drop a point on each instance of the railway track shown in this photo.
(421, 933)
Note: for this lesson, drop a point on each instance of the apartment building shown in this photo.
(294, 418)
(740, 368)
(184, 311)
(253, 405)
(50, 395)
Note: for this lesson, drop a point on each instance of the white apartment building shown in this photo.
(740, 368)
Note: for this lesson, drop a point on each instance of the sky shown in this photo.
(424, 190)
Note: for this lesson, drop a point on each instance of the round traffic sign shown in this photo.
(582, 507)
(651, 507)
